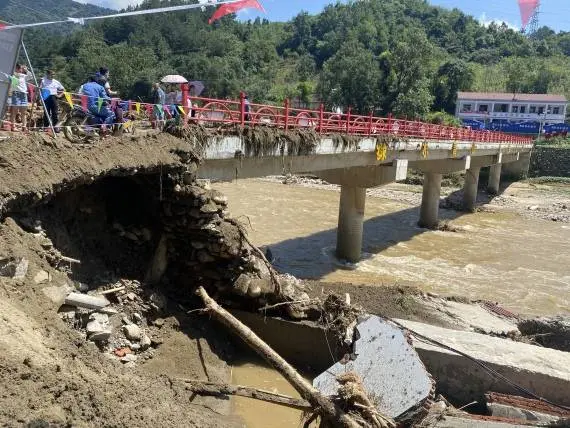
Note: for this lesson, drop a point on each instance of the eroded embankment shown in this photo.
(131, 213)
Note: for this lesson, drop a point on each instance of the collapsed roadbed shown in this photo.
(102, 249)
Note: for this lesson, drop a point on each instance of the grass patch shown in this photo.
(548, 180)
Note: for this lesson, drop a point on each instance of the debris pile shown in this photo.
(122, 320)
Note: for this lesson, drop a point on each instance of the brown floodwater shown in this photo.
(258, 414)
(522, 263)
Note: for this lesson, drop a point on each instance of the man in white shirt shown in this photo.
(50, 91)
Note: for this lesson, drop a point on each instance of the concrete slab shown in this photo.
(544, 371)
(478, 319)
(390, 368)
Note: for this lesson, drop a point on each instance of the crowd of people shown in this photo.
(23, 97)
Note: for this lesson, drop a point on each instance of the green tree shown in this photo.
(451, 77)
(351, 78)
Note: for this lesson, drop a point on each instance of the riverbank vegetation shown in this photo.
(400, 56)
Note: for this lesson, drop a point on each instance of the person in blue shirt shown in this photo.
(94, 91)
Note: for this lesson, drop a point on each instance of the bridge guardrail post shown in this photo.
(348, 120)
(287, 114)
(370, 118)
(321, 118)
(185, 93)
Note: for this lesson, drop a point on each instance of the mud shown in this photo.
(50, 374)
(109, 206)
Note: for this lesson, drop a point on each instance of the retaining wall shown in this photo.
(550, 162)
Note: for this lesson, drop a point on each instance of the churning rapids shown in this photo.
(519, 261)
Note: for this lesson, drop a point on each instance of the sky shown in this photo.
(554, 13)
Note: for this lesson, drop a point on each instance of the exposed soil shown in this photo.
(386, 301)
(50, 373)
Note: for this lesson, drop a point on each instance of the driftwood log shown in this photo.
(223, 389)
(329, 411)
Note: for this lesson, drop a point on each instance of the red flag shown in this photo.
(527, 8)
(226, 9)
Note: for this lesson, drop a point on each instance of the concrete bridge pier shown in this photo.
(350, 223)
(433, 172)
(470, 188)
(494, 179)
(429, 211)
(354, 182)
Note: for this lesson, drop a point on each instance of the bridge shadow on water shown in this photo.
(313, 256)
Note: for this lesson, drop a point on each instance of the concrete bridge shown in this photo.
(374, 163)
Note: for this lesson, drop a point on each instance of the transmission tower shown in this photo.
(532, 25)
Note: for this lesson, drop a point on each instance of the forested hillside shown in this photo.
(27, 11)
(403, 56)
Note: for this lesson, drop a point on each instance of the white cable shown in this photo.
(123, 14)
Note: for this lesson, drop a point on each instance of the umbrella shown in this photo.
(174, 78)
(196, 87)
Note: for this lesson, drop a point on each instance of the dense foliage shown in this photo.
(401, 56)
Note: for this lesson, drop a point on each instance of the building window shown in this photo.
(515, 109)
(522, 109)
(483, 108)
(541, 110)
(556, 110)
(501, 108)
(467, 108)
(532, 110)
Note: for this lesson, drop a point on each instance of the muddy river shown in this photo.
(524, 263)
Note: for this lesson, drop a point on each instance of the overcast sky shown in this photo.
(554, 13)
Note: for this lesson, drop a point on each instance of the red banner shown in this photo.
(226, 9)
(527, 8)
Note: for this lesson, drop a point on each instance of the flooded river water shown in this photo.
(522, 263)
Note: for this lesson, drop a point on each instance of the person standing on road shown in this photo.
(158, 99)
(50, 90)
(20, 96)
(247, 108)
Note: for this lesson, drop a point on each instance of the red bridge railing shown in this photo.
(215, 111)
(241, 112)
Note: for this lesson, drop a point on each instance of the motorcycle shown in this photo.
(80, 126)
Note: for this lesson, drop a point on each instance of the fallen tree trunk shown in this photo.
(327, 409)
(222, 389)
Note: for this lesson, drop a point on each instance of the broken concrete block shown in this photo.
(390, 368)
(543, 371)
(132, 332)
(102, 319)
(86, 301)
(129, 358)
(93, 327)
(56, 294)
(41, 277)
(477, 318)
(100, 336)
(145, 342)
